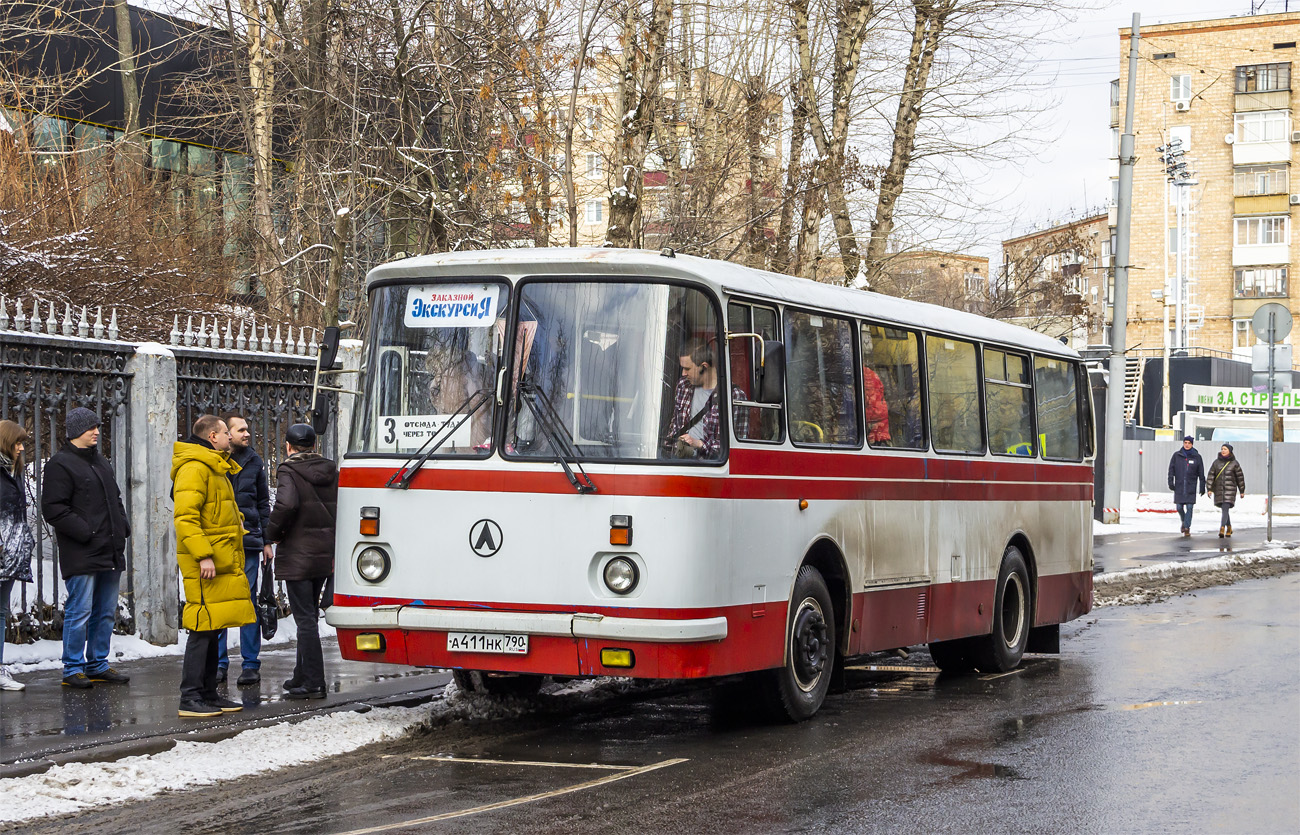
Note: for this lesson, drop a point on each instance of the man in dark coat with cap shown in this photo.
(1187, 480)
(302, 525)
(80, 499)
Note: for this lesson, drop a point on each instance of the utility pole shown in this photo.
(1114, 465)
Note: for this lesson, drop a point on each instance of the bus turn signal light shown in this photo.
(370, 521)
(620, 530)
(370, 642)
(617, 658)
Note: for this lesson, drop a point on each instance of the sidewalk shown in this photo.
(48, 723)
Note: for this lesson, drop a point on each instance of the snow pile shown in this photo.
(1166, 570)
(78, 786)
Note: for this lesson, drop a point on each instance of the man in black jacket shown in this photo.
(254, 500)
(81, 501)
(302, 523)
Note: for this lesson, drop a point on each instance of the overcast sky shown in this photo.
(1072, 172)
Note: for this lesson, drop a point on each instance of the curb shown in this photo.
(1282, 552)
(165, 740)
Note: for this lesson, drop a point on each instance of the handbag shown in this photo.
(267, 616)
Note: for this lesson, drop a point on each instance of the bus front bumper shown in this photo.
(567, 644)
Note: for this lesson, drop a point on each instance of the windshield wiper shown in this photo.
(548, 419)
(402, 478)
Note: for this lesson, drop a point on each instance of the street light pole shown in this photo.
(1114, 465)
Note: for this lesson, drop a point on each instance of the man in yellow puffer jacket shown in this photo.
(210, 550)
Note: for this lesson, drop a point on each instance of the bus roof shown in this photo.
(735, 279)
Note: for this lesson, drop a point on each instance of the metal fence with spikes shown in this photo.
(147, 395)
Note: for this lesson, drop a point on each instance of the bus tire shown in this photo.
(1002, 650)
(491, 684)
(797, 689)
(953, 658)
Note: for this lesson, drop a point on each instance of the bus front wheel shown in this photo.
(1012, 618)
(497, 684)
(796, 690)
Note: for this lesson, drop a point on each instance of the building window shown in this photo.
(593, 165)
(595, 211)
(591, 118)
(1263, 231)
(1180, 87)
(1261, 282)
(1250, 180)
(1242, 335)
(1262, 125)
(1262, 78)
(1114, 93)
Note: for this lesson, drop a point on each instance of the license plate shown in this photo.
(487, 642)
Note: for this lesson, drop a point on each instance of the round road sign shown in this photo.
(1281, 322)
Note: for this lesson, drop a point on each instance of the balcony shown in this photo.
(1268, 100)
(1258, 255)
(1249, 153)
(1257, 204)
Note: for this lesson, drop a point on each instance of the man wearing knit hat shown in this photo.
(81, 501)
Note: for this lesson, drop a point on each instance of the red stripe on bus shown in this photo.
(879, 620)
(747, 461)
(723, 487)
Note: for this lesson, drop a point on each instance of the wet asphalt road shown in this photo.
(1182, 716)
(1123, 551)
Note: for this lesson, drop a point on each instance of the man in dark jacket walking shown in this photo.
(254, 500)
(302, 525)
(1187, 480)
(81, 501)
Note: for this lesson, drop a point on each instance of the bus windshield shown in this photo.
(433, 348)
(615, 371)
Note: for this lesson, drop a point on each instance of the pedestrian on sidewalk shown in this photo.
(209, 549)
(16, 540)
(1225, 482)
(302, 526)
(254, 500)
(1187, 480)
(80, 499)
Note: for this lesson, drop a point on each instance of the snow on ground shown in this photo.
(1155, 513)
(48, 655)
(71, 788)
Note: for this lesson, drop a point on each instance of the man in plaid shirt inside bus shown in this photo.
(694, 430)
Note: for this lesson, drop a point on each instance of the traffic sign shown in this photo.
(1281, 322)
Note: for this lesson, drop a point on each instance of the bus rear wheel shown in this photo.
(497, 684)
(797, 689)
(1002, 650)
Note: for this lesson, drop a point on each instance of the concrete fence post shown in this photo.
(153, 431)
(350, 357)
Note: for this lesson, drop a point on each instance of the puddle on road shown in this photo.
(973, 769)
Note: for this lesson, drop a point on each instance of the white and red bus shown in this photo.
(608, 462)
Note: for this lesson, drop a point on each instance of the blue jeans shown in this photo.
(88, 617)
(1185, 513)
(6, 587)
(250, 634)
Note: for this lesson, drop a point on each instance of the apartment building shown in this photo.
(1214, 197)
(953, 279)
(1058, 279)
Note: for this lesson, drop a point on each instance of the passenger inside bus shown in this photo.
(455, 373)
(694, 429)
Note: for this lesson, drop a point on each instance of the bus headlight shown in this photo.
(373, 564)
(621, 575)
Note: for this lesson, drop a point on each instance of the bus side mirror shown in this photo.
(329, 348)
(771, 377)
(320, 413)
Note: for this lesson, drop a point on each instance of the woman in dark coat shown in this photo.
(16, 540)
(1225, 482)
(1187, 480)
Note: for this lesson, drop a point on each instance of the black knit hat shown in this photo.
(80, 421)
(301, 435)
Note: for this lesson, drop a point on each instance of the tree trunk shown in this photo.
(927, 30)
(130, 158)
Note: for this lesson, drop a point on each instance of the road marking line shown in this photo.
(1143, 705)
(886, 668)
(526, 762)
(1003, 675)
(519, 801)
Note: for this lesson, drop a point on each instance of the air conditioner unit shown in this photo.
(1295, 136)
(1295, 200)
(1182, 106)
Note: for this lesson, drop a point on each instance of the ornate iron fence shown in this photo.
(42, 377)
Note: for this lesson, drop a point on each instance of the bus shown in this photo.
(608, 462)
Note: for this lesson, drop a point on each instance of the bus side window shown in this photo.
(1056, 390)
(1086, 416)
(891, 357)
(750, 420)
(954, 389)
(1008, 404)
(821, 378)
